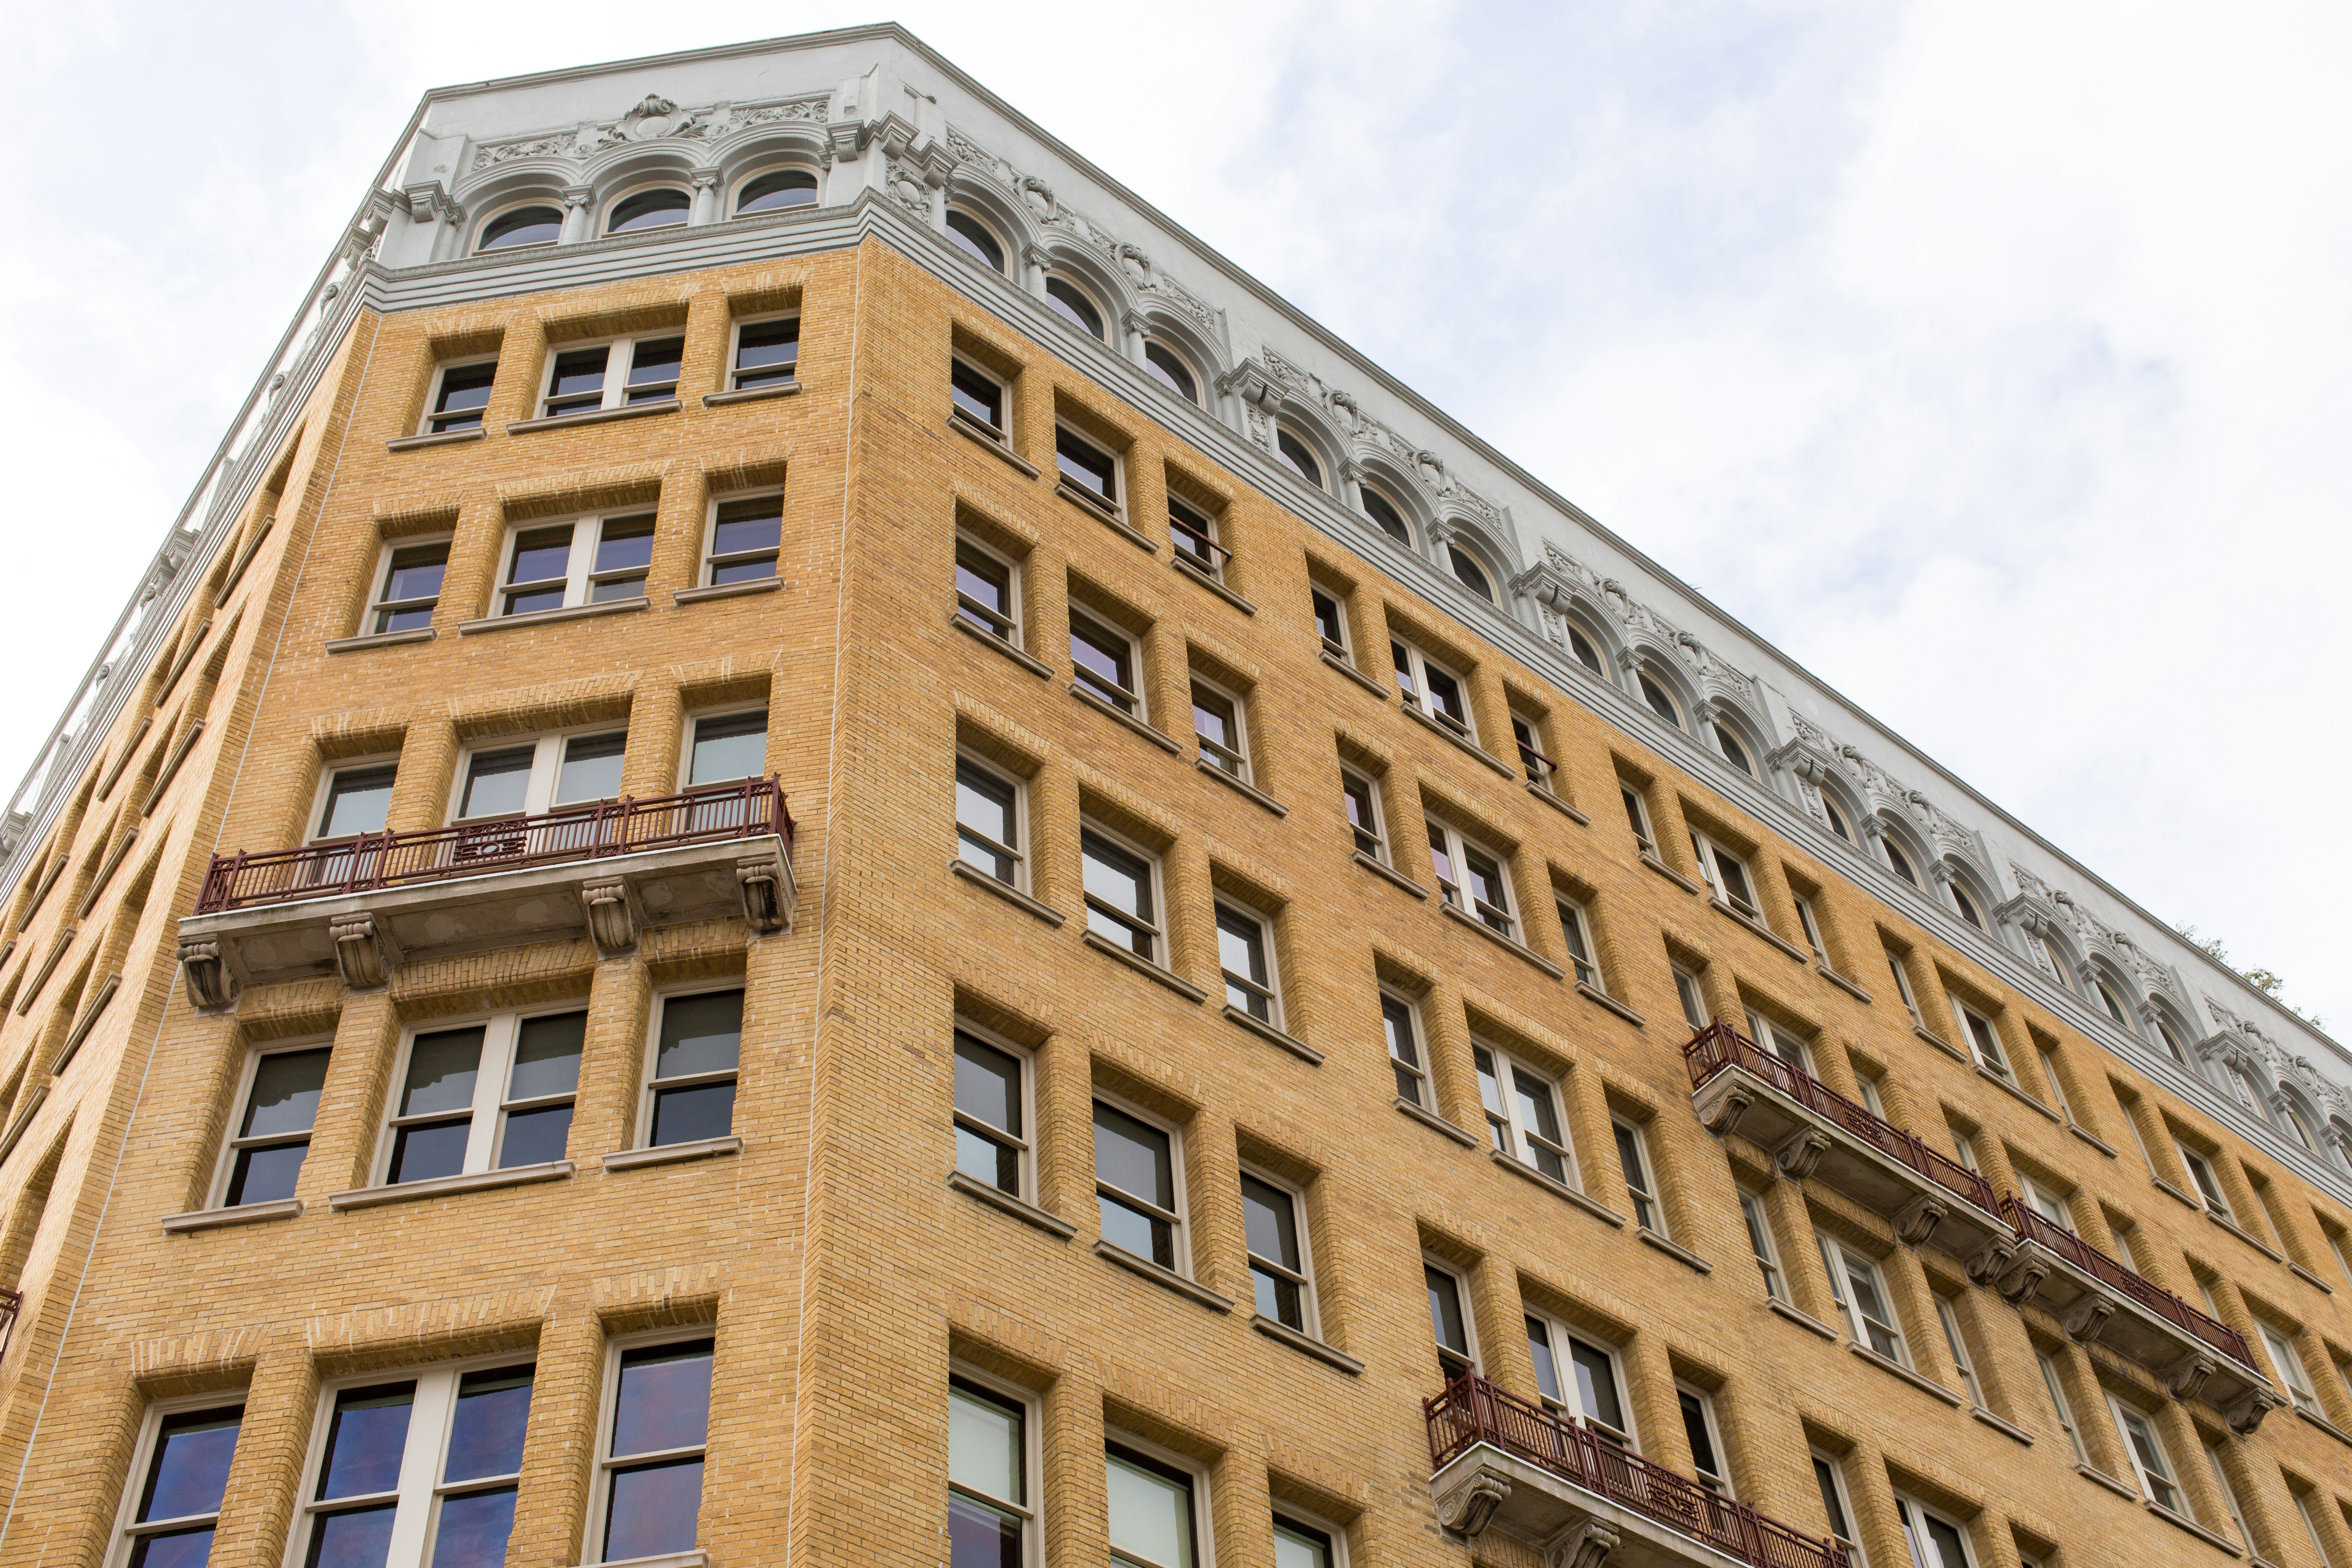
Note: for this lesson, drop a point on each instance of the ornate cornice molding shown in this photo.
(654, 119)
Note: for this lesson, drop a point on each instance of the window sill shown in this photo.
(749, 394)
(1357, 676)
(2182, 1520)
(672, 1153)
(1924, 1385)
(1167, 1279)
(1391, 874)
(1138, 725)
(441, 1186)
(1841, 983)
(2000, 1081)
(2093, 1139)
(544, 617)
(595, 416)
(993, 440)
(2017, 1433)
(1036, 667)
(1491, 935)
(1941, 1043)
(2169, 1190)
(2308, 1278)
(1108, 515)
(1803, 1320)
(725, 591)
(2262, 1247)
(379, 639)
(1426, 723)
(1011, 895)
(1669, 874)
(220, 1219)
(1169, 978)
(2325, 1425)
(1246, 788)
(1272, 1035)
(1756, 923)
(1560, 806)
(1306, 1345)
(1557, 1189)
(2120, 1488)
(1005, 1203)
(1185, 568)
(1603, 999)
(1682, 1254)
(697, 1559)
(446, 439)
(1435, 1123)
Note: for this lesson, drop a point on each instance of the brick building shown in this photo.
(630, 954)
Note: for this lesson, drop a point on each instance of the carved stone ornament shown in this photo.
(1915, 1221)
(1585, 1545)
(610, 921)
(1249, 382)
(1470, 1506)
(209, 983)
(764, 906)
(1721, 1102)
(1797, 1158)
(654, 119)
(2018, 1286)
(2088, 1318)
(2187, 1380)
(359, 952)
(2246, 1415)
(1993, 1259)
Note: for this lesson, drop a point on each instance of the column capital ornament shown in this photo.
(704, 179)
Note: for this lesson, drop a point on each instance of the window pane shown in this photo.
(770, 347)
(1086, 465)
(1151, 1514)
(745, 525)
(1241, 948)
(980, 1537)
(179, 1549)
(1117, 878)
(1446, 692)
(190, 1469)
(1537, 1113)
(465, 389)
(496, 782)
(988, 1084)
(1297, 458)
(652, 367)
(1298, 1547)
(1329, 620)
(984, 580)
(547, 1057)
(356, 802)
(1445, 1309)
(525, 226)
(987, 806)
(541, 555)
(441, 1069)
(773, 192)
(285, 1096)
(624, 544)
(733, 747)
(663, 1401)
(1702, 1441)
(1101, 652)
(1948, 1542)
(690, 1115)
(1133, 1157)
(1170, 372)
(432, 1150)
(1271, 1222)
(1596, 1383)
(360, 1539)
(977, 394)
(364, 1442)
(653, 1511)
(1074, 307)
(415, 573)
(967, 231)
(984, 1444)
(487, 1432)
(1377, 507)
(474, 1529)
(265, 1175)
(1547, 1368)
(592, 768)
(701, 1033)
(1831, 1504)
(578, 372)
(535, 1137)
(649, 209)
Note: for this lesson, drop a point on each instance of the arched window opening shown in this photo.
(2171, 1039)
(1901, 862)
(1296, 457)
(519, 228)
(1168, 370)
(975, 239)
(2058, 964)
(1733, 751)
(1660, 702)
(664, 208)
(2303, 1132)
(776, 190)
(1837, 818)
(1468, 572)
(2112, 1002)
(1586, 654)
(1966, 905)
(1068, 301)
(1377, 507)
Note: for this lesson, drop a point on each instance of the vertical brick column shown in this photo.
(351, 1101)
(611, 1059)
(1076, 1524)
(258, 1506)
(656, 732)
(558, 1446)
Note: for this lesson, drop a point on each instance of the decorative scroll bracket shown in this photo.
(359, 951)
(211, 987)
(1470, 1507)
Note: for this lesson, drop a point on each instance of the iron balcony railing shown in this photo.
(1472, 1410)
(2141, 1291)
(1719, 1046)
(751, 809)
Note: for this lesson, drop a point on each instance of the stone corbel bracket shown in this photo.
(365, 954)
(769, 893)
(1583, 1545)
(1470, 1506)
(211, 987)
(1251, 382)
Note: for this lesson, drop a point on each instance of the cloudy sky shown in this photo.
(1984, 356)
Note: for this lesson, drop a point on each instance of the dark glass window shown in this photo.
(1248, 969)
(1700, 1433)
(1135, 1180)
(496, 782)
(1277, 1262)
(273, 1136)
(1086, 465)
(1362, 818)
(1217, 722)
(624, 552)
(1446, 1320)
(695, 1064)
(464, 393)
(1330, 621)
(524, 226)
(649, 209)
(1121, 904)
(1380, 509)
(539, 1090)
(1170, 372)
(357, 800)
(1660, 703)
(412, 587)
(973, 239)
(777, 190)
(1192, 536)
(731, 746)
(987, 822)
(1733, 751)
(575, 383)
(484, 1464)
(767, 354)
(187, 1477)
(988, 1113)
(1596, 1384)
(539, 570)
(984, 591)
(661, 1408)
(1902, 865)
(360, 1478)
(591, 768)
(1069, 302)
(652, 370)
(435, 1114)
(977, 396)
(1581, 646)
(745, 536)
(1104, 662)
(1404, 1048)
(1297, 458)
(1469, 573)
(988, 1489)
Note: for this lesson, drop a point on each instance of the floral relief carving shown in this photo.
(1349, 413)
(653, 119)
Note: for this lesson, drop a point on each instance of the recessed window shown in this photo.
(2059, 1406)
(491, 1096)
(618, 374)
(1860, 1291)
(1330, 622)
(1274, 1227)
(583, 560)
(355, 801)
(1693, 997)
(1153, 1514)
(2229, 1495)
(2112, 1002)
(1640, 1191)
(1135, 1185)
(978, 396)
(1765, 1245)
(1220, 723)
(1297, 456)
(1726, 873)
(2048, 1204)
(1070, 303)
(1577, 932)
(775, 191)
(649, 1464)
(728, 746)
(975, 239)
(1810, 923)
(2291, 1372)
(767, 354)
(990, 1517)
(176, 1506)
(1297, 1544)
(1935, 1541)
(265, 1154)
(1192, 536)
(988, 823)
(421, 1470)
(991, 1112)
(1471, 878)
(519, 226)
(1578, 1378)
(1660, 703)
(1706, 1441)
(1583, 646)
(664, 208)
(1966, 905)
(1783, 1043)
(1836, 817)
(1166, 367)
(527, 777)
(1448, 1322)
(409, 587)
(460, 393)
(1430, 687)
(1401, 1022)
(2061, 969)
(1468, 572)
(697, 1047)
(1638, 817)
(1377, 507)
(1873, 1099)
(1903, 991)
(988, 593)
(1830, 1476)
(1086, 466)
(1523, 1116)
(746, 533)
(1957, 1343)
(1539, 768)
(2057, 1084)
(1733, 751)
(1899, 862)
(1121, 893)
(1964, 1149)
(1104, 660)
(2149, 1461)
(1977, 1030)
(1245, 956)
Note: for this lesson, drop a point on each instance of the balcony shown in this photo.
(360, 907)
(1811, 1130)
(2103, 1302)
(1499, 1462)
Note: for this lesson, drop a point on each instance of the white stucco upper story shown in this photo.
(789, 145)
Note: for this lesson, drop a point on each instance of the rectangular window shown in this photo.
(618, 374)
(1152, 1514)
(988, 823)
(491, 1096)
(746, 532)
(767, 353)
(1539, 768)
(355, 801)
(1977, 1030)
(1401, 1020)
(1935, 1542)
(1297, 1544)
(1638, 815)
(992, 1110)
(1432, 688)
(1470, 877)
(1121, 892)
(2209, 1185)
(1136, 1176)
(1837, 1507)
(1220, 721)
(1903, 991)
(1363, 802)
(1086, 467)
(649, 1457)
(1457, 1351)
(2150, 1463)
(1192, 536)
(1633, 1158)
(1781, 1043)
(977, 396)
(586, 560)
(1957, 1342)
(1964, 1148)
(460, 394)
(1874, 1098)
(2291, 1372)
(1767, 1249)
(171, 1510)
(697, 1047)
(272, 1138)
(409, 588)
(990, 1518)
(2057, 1085)
(1575, 932)
(727, 747)
(540, 775)
(2228, 1497)
(1726, 873)
(1860, 1292)
(1706, 1438)
(415, 1470)
(1523, 1115)
(1245, 954)
(2061, 1408)
(1812, 926)
(1276, 1230)
(1104, 660)
(2311, 1528)
(1693, 996)
(988, 594)
(1578, 1378)
(1330, 622)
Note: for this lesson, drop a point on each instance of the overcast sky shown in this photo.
(1991, 359)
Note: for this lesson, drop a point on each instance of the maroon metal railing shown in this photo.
(1472, 1410)
(751, 809)
(2142, 1290)
(1719, 1045)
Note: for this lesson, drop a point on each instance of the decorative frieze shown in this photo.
(654, 119)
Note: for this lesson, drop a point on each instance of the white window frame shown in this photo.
(1156, 923)
(780, 167)
(710, 564)
(2215, 1198)
(1426, 1095)
(1646, 1196)
(1711, 857)
(694, 722)
(1969, 1018)
(1200, 527)
(493, 1069)
(1272, 985)
(1538, 768)
(1115, 502)
(2057, 1085)
(1215, 754)
(1721, 1485)
(1874, 1098)
(433, 391)
(735, 370)
(1765, 1243)
(127, 1531)
(2124, 1417)
(643, 188)
(1205, 1544)
(1033, 1458)
(1024, 1145)
(1809, 923)
(1637, 817)
(1693, 997)
(2048, 1204)
(379, 606)
(2311, 1528)
(1084, 290)
(1092, 683)
(2228, 1496)
(1576, 930)
(1459, 847)
(621, 354)
(2288, 1358)
(1011, 634)
(1770, 1038)
(580, 574)
(1955, 1340)
(1345, 651)
(548, 751)
(225, 1163)
(1903, 990)
(327, 774)
(1835, 1252)
(1422, 697)
(1964, 1149)
(1309, 1302)
(1380, 827)
(600, 1485)
(1571, 1390)
(1519, 1139)
(1180, 1228)
(1912, 1515)
(482, 224)
(1298, 1519)
(1844, 1495)
(1019, 881)
(1001, 434)
(648, 1059)
(2055, 1383)
(1469, 1314)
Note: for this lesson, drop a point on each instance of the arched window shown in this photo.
(1467, 571)
(2111, 1001)
(1586, 653)
(1067, 300)
(2248, 1093)
(776, 190)
(2058, 965)
(518, 227)
(1733, 751)
(1900, 861)
(2300, 1128)
(975, 239)
(1164, 365)
(1660, 703)
(1297, 456)
(1966, 905)
(1838, 824)
(2171, 1039)
(1377, 507)
(665, 207)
